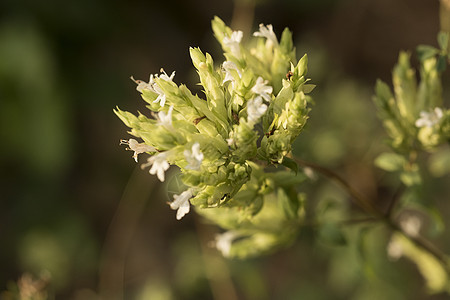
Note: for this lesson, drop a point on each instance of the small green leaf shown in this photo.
(332, 234)
(431, 269)
(441, 63)
(286, 43)
(410, 178)
(443, 40)
(290, 163)
(425, 52)
(289, 203)
(308, 88)
(390, 162)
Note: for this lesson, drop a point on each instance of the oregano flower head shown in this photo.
(247, 118)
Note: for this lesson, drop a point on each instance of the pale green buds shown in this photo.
(413, 116)
(252, 108)
(415, 111)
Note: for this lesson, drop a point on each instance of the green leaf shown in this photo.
(411, 178)
(425, 52)
(441, 63)
(431, 269)
(443, 40)
(390, 162)
(286, 44)
(330, 233)
(308, 88)
(287, 178)
(290, 202)
(405, 89)
(302, 66)
(290, 163)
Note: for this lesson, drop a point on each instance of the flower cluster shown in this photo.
(414, 112)
(248, 118)
(413, 115)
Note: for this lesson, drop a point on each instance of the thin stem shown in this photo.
(394, 201)
(367, 206)
(216, 269)
(423, 243)
(359, 200)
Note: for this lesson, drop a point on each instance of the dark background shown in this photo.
(73, 201)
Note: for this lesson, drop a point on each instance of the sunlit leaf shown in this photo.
(390, 162)
(431, 269)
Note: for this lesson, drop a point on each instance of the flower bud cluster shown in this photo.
(414, 112)
(254, 106)
(413, 116)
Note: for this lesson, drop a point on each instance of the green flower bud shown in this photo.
(405, 87)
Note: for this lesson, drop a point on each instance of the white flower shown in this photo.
(394, 249)
(233, 42)
(161, 96)
(164, 75)
(255, 109)
(166, 119)
(153, 86)
(261, 88)
(411, 224)
(224, 241)
(228, 66)
(267, 32)
(159, 165)
(194, 157)
(138, 148)
(142, 85)
(429, 119)
(181, 203)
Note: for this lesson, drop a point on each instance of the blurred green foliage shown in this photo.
(64, 66)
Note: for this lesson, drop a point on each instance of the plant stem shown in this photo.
(359, 200)
(367, 206)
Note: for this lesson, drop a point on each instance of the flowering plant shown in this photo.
(233, 145)
(255, 105)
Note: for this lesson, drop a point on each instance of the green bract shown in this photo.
(254, 106)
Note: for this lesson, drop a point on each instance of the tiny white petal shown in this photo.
(142, 85)
(267, 32)
(161, 96)
(165, 77)
(138, 148)
(411, 224)
(228, 66)
(255, 109)
(159, 165)
(394, 249)
(194, 157)
(262, 89)
(429, 119)
(166, 119)
(181, 203)
(151, 85)
(233, 42)
(224, 241)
